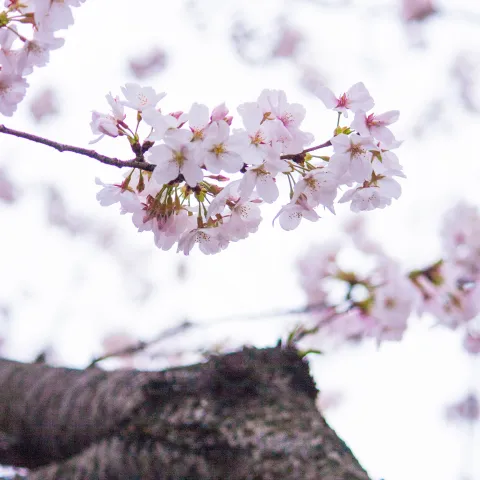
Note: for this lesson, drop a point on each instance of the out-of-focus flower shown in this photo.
(417, 9)
(147, 65)
(467, 409)
(44, 104)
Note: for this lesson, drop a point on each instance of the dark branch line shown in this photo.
(135, 163)
(138, 162)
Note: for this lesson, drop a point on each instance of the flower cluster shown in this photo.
(379, 303)
(23, 48)
(182, 195)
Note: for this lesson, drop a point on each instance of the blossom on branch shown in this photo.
(191, 152)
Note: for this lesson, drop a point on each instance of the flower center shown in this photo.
(342, 101)
(218, 149)
(356, 150)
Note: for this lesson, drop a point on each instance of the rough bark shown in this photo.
(249, 415)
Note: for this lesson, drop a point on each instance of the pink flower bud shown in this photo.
(219, 113)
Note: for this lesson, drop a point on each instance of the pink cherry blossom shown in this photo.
(386, 163)
(167, 230)
(207, 239)
(219, 113)
(451, 305)
(107, 124)
(111, 194)
(159, 123)
(355, 98)
(460, 235)
(244, 219)
(291, 214)
(221, 149)
(12, 90)
(319, 187)
(140, 98)
(376, 125)
(260, 136)
(282, 120)
(175, 157)
(51, 15)
(373, 196)
(36, 52)
(352, 154)
(259, 179)
(393, 302)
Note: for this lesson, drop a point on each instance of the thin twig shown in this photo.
(187, 325)
(135, 163)
(140, 346)
(301, 156)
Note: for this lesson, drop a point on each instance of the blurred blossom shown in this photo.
(311, 78)
(58, 214)
(466, 409)
(8, 192)
(258, 44)
(149, 64)
(288, 43)
(471, 342)
(44, 104)
(116, 342)
(466, 74)
(417, 9)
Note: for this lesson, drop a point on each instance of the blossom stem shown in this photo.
(301, 155)
(61, 147)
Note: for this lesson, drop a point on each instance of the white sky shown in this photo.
(68, 293)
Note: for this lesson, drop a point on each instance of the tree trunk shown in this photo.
(248, 415)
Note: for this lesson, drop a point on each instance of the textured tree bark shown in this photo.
(249, 415)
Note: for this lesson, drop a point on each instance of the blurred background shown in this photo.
(77, 280)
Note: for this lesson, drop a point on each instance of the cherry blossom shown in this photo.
(319, 187)
(36, 52)
(140, 98)
(175, 157)
(207, 239)
(160, 123)
(355, 98)
(12, 90)
(259, 179)
(187, 200)
(108, 124)
(352, 154)
(371, 196)
(291, 214)
(221, 149)
(19, 53)
(244, 219)
(376, 125)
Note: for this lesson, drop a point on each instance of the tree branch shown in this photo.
(61, 147)
(248, 415)
(138, 162)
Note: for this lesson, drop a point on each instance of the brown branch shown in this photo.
(301, 156)
(135, 163)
